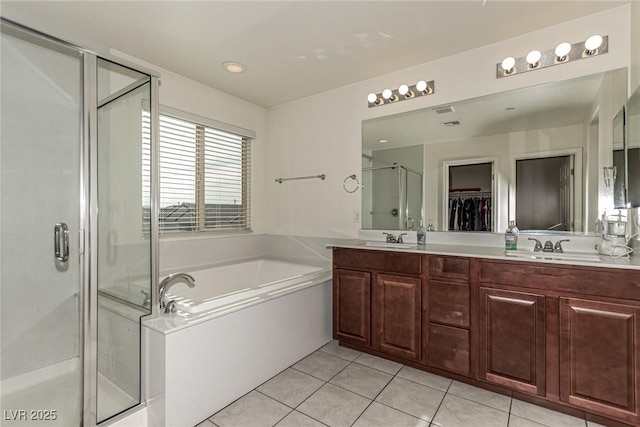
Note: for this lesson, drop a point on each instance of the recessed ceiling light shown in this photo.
(234, 67)
(383, 141)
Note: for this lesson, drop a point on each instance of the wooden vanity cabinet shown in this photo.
(512, 339)
(397, 315)
(447, 319)
(566, 334)
(377, 297)
(600, 356)
(352, 306)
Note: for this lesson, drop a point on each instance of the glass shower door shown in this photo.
(40, 221)
(124, 242)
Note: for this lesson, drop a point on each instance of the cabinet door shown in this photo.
(599, 344)
(512, 339)
(397, 315)
(352, 306)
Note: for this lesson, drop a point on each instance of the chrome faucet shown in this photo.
(549, 246)
(170, 307)
(399, 239)
(558, 246)
(390, 237)
(538, 246)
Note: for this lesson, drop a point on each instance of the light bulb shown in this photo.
(421, 86)
(234, 67)
(533, 58)
(508, 63)
(403, 90)
(387, 93)
(372, 98)
(562, 50)
(593, 43)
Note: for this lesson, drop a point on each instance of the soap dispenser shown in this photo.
(421, 234)
(430, 227)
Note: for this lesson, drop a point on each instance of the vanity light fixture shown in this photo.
(592, 44)
(402, 93)
(388, 95)
(533, 59)
(508, 65)
(374, 99)
(563, 53)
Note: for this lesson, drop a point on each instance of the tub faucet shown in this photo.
(168, 281)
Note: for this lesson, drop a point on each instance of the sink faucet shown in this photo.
(538, 246)
(168, 281)
(399, 240)
(390, 237)
(558, 246)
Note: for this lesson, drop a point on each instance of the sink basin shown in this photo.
(390, 245)
(567, 256)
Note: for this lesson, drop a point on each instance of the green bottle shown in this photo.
(511, 237)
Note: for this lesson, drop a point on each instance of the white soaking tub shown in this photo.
(240, 325)
(234, 285)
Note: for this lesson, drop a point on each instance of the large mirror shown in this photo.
(535, 155)
(633, 149)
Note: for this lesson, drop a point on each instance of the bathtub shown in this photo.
(240, 325)
(237, 284)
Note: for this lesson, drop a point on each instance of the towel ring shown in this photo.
(351, 184)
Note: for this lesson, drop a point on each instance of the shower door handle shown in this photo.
(61, 241)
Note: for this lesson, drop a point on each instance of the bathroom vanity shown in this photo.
(556, 334)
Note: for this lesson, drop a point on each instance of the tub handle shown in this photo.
(170, 307)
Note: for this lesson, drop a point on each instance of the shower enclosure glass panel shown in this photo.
(392, 198)
(124, 261)
(40, 165)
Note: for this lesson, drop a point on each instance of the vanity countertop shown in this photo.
(591, 259)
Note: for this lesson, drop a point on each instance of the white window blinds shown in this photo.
(204, 177)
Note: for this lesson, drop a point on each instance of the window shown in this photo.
(204, 174)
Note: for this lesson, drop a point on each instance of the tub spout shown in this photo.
(168, 281)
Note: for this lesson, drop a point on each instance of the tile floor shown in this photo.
(336, 386)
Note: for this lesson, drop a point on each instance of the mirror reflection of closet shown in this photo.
(470, 197)
(544, 193)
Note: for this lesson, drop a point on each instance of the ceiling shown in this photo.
(292, 49)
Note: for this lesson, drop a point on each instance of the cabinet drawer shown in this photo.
(597, 281)
(451, 267)
(449, 348)
(449, 303)
(391, 262)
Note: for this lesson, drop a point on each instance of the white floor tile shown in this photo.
(321, 365)
(291, 387)
(412, 398)
(379, 363)
(254, 409)
(365, 381)
(334, 406)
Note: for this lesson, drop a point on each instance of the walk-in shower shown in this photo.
(76, 247)
(391, 198)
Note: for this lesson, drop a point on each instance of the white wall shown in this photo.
(322, 133)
